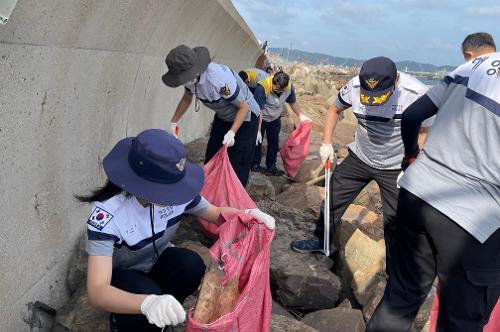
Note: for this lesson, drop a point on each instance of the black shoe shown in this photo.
(304, 246)
(256, 168)
(274, 171)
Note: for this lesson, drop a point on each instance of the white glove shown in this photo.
(163, 310)
(174, 129)
(399, 178)
(229, 138)
(326, 152)
(264, 217)
(259, 138)
(303, 118)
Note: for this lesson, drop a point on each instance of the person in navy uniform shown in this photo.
(134, 271)
(222, 90)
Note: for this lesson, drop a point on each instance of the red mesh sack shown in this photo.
(222, 188)
(492, 326)
(296, 148)
(243, 250)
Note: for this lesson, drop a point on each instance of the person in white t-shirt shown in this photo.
(134, 271)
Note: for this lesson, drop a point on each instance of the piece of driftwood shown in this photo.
(209, 295)
(227, 298)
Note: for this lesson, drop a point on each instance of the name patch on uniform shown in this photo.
(99, 218)
(225, 90)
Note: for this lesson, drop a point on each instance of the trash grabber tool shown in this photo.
(326, 208)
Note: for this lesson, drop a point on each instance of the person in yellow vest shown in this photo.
(271, 94)
(252, 76)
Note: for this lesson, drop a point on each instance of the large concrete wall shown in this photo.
(75, 77)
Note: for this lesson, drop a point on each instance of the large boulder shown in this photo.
(280, 323)
(310, 169)
(370, 198)
(304, 197)
(260, 187)
(201, 250)
(279, 310)
(336, 320)
(195, 150)
(364, 281)
(302, 281)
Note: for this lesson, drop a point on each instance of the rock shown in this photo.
(364, 281)
(302, 281)
(376, 295)
(79, 316)
(260, 187)
(368, 222)
(345, 304)
(304, 197)
(279, 183)
(422, 319)
(77, 271)
(369, 197)
(336, 320)
(280, 323)
(191, 230)
(279, 310)
(195, 150)
(310, 169)
(200, 249)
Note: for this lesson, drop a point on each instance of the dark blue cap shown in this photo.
(153, 167)
(377, 80)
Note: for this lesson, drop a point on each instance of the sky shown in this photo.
(426, 31)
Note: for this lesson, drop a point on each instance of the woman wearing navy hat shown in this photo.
(219, 88)
(133, 269)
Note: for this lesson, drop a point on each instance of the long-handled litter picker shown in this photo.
(326, 208)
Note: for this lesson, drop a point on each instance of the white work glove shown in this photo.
(303, 118)
(264, 217)
(326, 152)
(174, 129)
(163, 310)
(399, 178)
(259, 138)
(229, 138)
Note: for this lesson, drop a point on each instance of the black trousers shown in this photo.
(428, 243)
(348, 179)
(241, 153)
(272, 132)
(177, 272)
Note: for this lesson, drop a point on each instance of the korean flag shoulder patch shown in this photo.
(225, 91)
(99, 218)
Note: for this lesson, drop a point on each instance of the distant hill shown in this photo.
(318, 58)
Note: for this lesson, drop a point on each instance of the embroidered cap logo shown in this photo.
(372, 83)
(180, 165)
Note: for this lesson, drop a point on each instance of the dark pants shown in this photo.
(348, 179)
(427, 243)
(272, 132)
(177, 272)
(241, 153)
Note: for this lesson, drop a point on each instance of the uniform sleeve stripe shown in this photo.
(484, 101)
(194, 202)
(98, 236)
(343, 102)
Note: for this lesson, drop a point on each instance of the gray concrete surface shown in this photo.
(75, 77)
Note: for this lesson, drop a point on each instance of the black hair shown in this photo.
(243, 75)
(268, 69)
(477, 41)
(281, 79)
(100, 194)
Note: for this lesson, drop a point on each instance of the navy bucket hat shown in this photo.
(153, 167)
